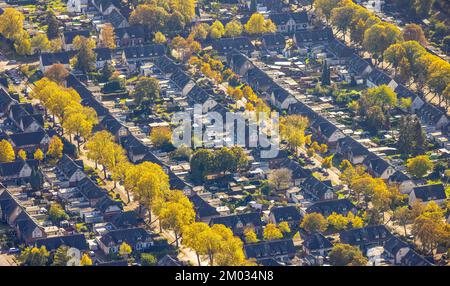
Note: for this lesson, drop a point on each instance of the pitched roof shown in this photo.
(358, 65)
(133, 31)
(49, 59)
(68, 166)
(14, 168)
(202, 208)
(27, 138)
(320, 35)
(326, 208)
(412, 258)
(148, 51)
(379, 77)
(103, 54)
(394, 244)
(339, 49)
(430, 192)
(271, 248)
(273, 40)
(129, 235)
(90, 190)
(317, 241)
(288, 213)
(74, 240)
(365, 235)
(69, 36)
(231, 221)
(226, 45)
(316, 187)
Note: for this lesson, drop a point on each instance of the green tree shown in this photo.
(271, 232)
(6, 152)
(56, 213)
(52, 25)
(33, 256)
(85, 58)
(346, 255)
(148, 259)
(250, 235)
(60, 258)
(233, 28)
(313, 222)
(419, 166)
(146, 89)
(201, 163)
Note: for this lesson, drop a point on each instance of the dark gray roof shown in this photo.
(202, 208)
(27, 138)
(317, 241)
(70, 35)
(49, 59)
(141, 52)
(130, 235)
(412, 258)
(288, 213)
(226, 45)
(394, 244)
(231, 221)
(314, 36)
(430, 192)
(326, 208)
(74, 240)
(365, 235)
(379, 77)
(68, 166)
(271, 248)
(90, 190)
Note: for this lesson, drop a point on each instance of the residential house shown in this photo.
(317, 189)
(404, 183)
(69, 36)
(377, 77)
(326, 131)
(134, 56)
(77, 241)
(290, 22)
(227, 45)
(428, 193)
(30, 141)
(274, 42)
(6, 102)
(91, 191)
(412, 258)
(289, 214)
(46, 60)
(138, 238)
(18, 171)
(432, 116)
(183, 81)
(280, 250)
(103, 57)
(366, 237)
(133, 35)
(72, 170)
(351, 150)
(313, 37)
(239, 222)
(378, 167)
(326, 208)
(204, 211)
(396, 249)
(317, 244)
(12, 213)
